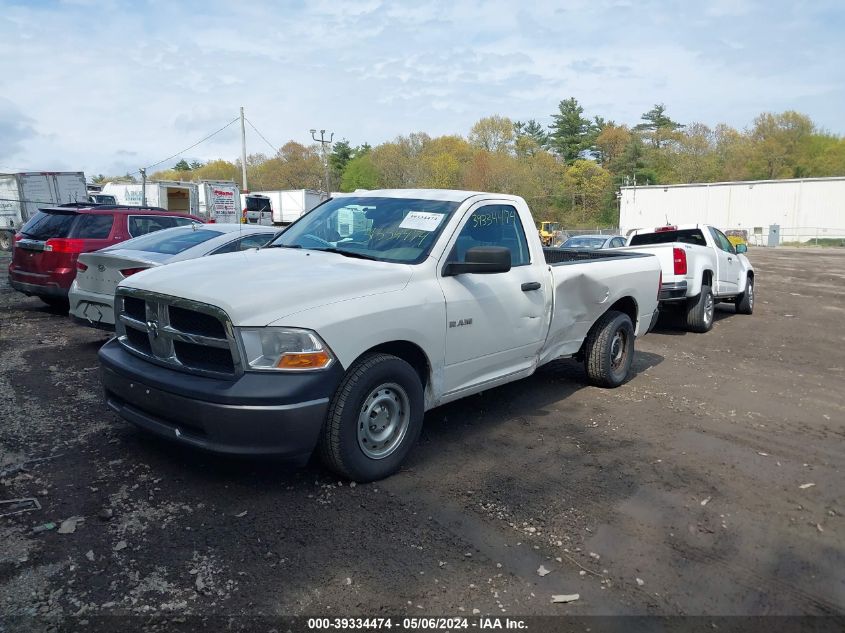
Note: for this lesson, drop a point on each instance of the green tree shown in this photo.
(590, 189)
(342, 153)
(531, 137)
(196, 164)
(360, 173)
(776, 141)
(182, 165)
(657, 126)
(493, 134)
(570, 131)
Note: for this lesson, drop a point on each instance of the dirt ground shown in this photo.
(710, 483)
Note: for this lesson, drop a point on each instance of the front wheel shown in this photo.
(609, 350)
(745, 301)
(374, 419)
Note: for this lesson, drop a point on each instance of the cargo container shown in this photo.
(219, 200)
(21, 194)
(284, 206)
(179, 197)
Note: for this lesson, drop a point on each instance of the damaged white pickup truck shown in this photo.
(366, 312)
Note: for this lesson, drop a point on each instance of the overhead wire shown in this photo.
(263, 138)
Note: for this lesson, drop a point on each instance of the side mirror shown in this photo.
(741, 248)
(483, 260)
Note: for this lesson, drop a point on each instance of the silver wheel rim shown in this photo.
(708, 309)
(750, 292)
(618, 349)
(383, 420)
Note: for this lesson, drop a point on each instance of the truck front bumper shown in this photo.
(258, 413)
(673, 291)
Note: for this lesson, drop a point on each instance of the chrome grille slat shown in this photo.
(163, 339)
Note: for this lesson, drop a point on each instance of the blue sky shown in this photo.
(113, 86)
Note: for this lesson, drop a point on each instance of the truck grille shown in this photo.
(179, 333)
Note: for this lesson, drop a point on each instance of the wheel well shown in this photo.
(751, 274)
(627, 305)
(707, 279)
(411, 353)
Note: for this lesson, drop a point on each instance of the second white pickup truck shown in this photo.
(700, 268)
(342, 343)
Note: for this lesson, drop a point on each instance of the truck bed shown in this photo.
(561, 256)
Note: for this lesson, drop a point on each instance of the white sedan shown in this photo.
(92, 292)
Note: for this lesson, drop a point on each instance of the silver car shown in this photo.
(594, 242)
(97, 274)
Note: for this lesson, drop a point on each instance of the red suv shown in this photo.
(45, 251)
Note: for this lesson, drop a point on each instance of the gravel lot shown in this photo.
(711, 483)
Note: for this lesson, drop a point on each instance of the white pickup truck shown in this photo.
(341, 343)
(700, 268)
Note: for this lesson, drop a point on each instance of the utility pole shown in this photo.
(323, 143)
(243, 151)
(143, 171)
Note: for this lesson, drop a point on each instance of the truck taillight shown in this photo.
(126, 272)
(679, 258)
(81, 267)
(664, 229)
(64, 245)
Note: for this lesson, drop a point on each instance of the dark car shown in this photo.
(46, 248)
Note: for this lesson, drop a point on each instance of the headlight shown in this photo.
(274, 348)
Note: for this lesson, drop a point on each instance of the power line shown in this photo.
(275, 149)
(203, 140)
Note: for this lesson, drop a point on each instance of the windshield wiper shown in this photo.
(346, 253)
(283, 246)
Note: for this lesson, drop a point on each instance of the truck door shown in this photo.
(495, 324)
(728, 264)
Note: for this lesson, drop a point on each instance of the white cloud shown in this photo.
(93, 83)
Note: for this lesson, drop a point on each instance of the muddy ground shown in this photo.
(711, 483)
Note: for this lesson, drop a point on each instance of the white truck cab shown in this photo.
(360, 316)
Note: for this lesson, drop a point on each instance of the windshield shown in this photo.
(584, 242)
(387, 229)
(687, 236)
(257, 204)
(168, 241)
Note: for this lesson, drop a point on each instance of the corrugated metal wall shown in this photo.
(805, 209)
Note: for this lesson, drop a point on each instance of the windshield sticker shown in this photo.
(421, 221)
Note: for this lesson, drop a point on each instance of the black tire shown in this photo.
(6, 238)
(745, 301)
(700, 311)
(371, 379)
(609, 350)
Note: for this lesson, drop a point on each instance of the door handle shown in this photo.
(530, 285)
(730, 259)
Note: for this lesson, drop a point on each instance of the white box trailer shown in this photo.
(179, 197)
(22, 194)
(219, 200)
(768, 211)
(286, 206)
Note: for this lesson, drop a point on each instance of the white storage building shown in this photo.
(771, 211)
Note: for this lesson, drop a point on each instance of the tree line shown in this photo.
(568, 171)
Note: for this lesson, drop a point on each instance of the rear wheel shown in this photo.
(700, 311)
(374, 418)
(6, 238)
(745, 301)
(609, 350)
